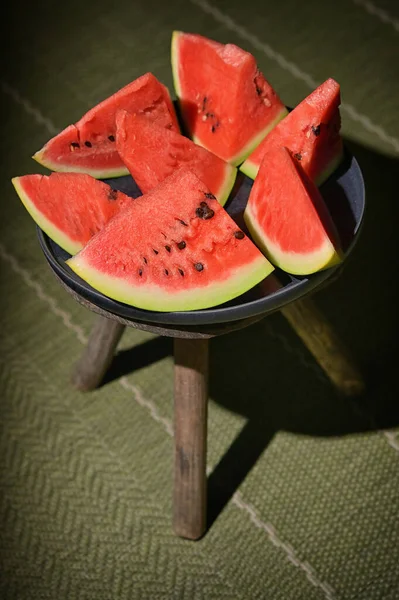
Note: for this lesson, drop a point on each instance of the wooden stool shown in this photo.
(191, 350)
(345, 197)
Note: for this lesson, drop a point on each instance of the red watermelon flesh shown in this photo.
(88, 146)
(172, 249)
(152, 153)
(311, 132)
(226, 103)
(69, 207)
(288, 219)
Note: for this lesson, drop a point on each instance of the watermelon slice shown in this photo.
(226, 103)
(88, 146)
(69, 207)
(152, 153)
(288, 219)
(311, 132)
(173, 249)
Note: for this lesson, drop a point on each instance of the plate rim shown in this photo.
(213, 315)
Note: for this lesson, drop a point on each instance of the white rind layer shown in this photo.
(67, 243)
(292, 262)
(154, 297)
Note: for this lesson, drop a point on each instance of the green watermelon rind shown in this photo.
(228, 184)
(294, 263)
(66, 168)
(152, 297)
(65, 242)
(176, 81)
(249, 168)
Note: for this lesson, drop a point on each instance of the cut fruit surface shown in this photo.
(69, 207)
(288, 219)
(227, 105)
(88, 146)
(173, 249)
(311, 132)
(152, 153)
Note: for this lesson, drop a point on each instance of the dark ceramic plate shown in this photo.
(345, 197)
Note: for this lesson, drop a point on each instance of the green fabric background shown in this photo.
(305, 484)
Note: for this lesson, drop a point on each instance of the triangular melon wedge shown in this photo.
(173, 249)
(69, 207)
(288, 219)
(88, 146)
(152, 153)
(226, 103)
(311, 132)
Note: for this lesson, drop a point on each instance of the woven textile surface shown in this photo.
(304, 484)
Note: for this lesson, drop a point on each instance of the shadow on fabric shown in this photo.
(264, 372)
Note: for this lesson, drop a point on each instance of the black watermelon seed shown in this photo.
(199, 267)
(183, 223)
(298, 156)
(204, 101)
(75, 145)
(204, 212)
(209, 195)
(316, 130)
(181, 245)
(181, 272)
(111, 138)
(140, 272)
(155, 251)
(167, 248)
(166, 272)
(112, 194)
(213, 128)
(145, 260)
(88, 144)
(239, 235)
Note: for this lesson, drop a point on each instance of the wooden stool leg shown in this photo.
(98, 354)
(322, 341)
(190, 421)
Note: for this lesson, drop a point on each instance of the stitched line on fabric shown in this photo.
(96, 435)
(375, 11)
(237, 497)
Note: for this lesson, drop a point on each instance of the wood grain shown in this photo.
(328, 349)
(98, 354)
(190, 422)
